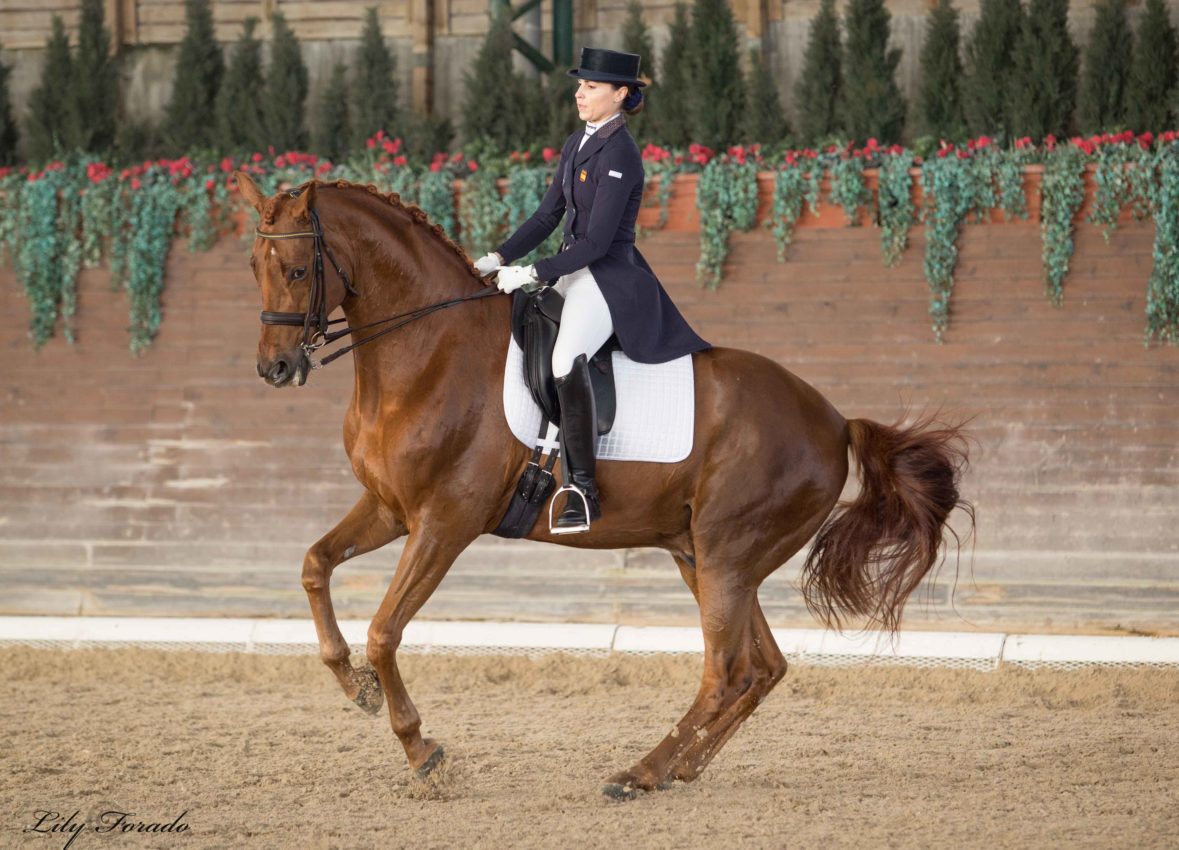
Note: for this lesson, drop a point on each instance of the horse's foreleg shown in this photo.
(425, 560)
(368, 526)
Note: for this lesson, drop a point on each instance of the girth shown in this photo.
(536, 318)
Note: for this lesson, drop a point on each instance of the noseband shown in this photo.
(315, 323)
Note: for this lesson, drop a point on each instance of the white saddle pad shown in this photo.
(655, 416)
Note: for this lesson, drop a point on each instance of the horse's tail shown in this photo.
(873, 552)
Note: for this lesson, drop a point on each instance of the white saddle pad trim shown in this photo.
(656, 408)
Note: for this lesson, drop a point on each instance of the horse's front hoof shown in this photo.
(630, 784)
(620, 793)
(370, 697)
(431, 764)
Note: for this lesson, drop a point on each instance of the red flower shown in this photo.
(399, 161)
(371, 143)
(471, 164)
(380, 135)
(435, 166)
(941, 154)
(679, 159)
(211, 184)
(257, 157)
(1146, 139)
(135, 184)
(549, 154)
(1050, 142)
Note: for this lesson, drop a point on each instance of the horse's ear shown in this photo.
(249, 190)
(300, 210)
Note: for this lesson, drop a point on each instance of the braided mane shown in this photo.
(394, 199)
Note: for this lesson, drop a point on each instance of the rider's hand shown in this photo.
(488, 263)
(512, 278)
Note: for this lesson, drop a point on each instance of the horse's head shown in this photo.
(297, 297)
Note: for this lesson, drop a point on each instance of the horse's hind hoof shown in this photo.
(370, 697)
(620, 793)
(430, 764)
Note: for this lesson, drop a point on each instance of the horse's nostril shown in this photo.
(279, 372)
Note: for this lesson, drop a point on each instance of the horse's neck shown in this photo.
(453, 345)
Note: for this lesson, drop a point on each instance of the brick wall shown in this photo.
(179, 483)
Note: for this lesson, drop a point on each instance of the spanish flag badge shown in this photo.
(582, 175)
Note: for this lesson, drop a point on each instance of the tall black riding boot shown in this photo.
(578, 433)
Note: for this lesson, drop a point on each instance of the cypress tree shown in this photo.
(986, 88)
(96, 82)
(718, 101)
(491, 105)
(939, 102)
(9, 135)
(1044, 94)
(332, 129)
(190, 120)
(818, 89)
(764, 120)
(240, 102)
(286, 89)
(52, 104)
(1107, 69)
(675, 75)
(374, 104)
(1149, 92)
(872, 105)
(561, 117)
(636, 38)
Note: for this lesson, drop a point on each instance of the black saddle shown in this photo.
(536, 317)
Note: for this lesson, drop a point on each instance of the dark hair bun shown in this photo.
(633, 104)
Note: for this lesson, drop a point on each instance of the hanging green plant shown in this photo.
(726, 197)
(795, 182)
(11, 183)
(48, 250)
(1111, 185)
(1162, 290)
(1061, 193)
(527, 185)
(97, 213)
(154, 202)
(848, 188)
(482, 213)
(980, 171)
(895, 203)
(947, 185)
(1008, 170)
(661, 164)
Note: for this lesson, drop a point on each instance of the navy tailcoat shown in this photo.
(599, 190)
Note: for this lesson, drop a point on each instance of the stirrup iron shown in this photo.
(572, 529)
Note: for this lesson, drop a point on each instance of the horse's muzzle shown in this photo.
(286, 370)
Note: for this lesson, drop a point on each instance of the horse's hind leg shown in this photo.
(368, 526)
(768, 666)
(742, 663)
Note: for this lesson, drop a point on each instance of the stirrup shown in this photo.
(571, 529)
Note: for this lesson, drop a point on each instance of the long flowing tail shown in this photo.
(873, 552)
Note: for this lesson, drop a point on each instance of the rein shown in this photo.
(319, 334)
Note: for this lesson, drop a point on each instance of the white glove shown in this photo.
(488, 263)
(512, 278)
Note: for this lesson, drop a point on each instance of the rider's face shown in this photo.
(596, 100)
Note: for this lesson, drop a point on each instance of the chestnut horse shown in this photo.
(429, 442)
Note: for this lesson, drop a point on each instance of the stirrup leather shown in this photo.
(570, 529)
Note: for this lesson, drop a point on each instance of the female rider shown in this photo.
(607, 284)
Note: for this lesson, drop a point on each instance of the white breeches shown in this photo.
(585, 320)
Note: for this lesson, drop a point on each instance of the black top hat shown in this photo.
(608, 66)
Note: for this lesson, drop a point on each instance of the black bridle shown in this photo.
(315, 323)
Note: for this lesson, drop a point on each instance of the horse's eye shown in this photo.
(299, 273)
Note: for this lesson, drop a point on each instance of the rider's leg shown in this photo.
(585, 326)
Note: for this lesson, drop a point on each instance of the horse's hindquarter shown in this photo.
(768, 448)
